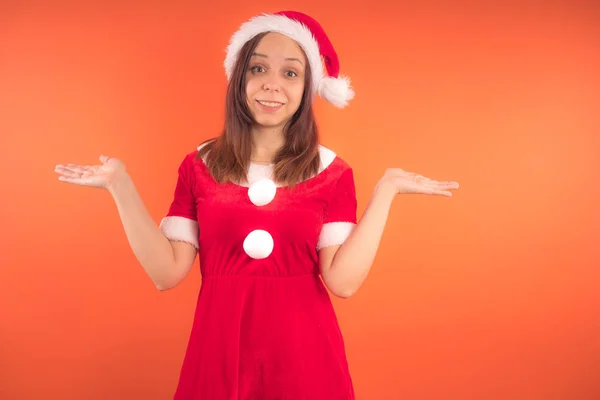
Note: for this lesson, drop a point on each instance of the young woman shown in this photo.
(272, 215)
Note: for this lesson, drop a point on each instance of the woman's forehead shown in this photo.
(276, 44)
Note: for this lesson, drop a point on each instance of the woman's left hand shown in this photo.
(404, 182)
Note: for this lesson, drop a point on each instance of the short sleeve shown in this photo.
(340, 214)
(181, 223)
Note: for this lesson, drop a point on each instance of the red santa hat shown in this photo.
(311, 37)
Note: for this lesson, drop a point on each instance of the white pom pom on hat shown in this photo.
(334, 88)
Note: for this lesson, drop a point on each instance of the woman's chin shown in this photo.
(269, 123)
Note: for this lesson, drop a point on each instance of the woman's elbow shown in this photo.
(343, 292)
(345, 295)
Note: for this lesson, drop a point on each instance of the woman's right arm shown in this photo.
(166, 262)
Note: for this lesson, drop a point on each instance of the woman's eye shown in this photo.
(257, 68)
(292, 74)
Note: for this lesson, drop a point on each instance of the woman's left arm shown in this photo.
(345, 267)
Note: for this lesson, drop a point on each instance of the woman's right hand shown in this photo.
(99, 176)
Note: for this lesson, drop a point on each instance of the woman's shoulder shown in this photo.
(327, 156)
(332, 165)
(332, 162)
(192, 155)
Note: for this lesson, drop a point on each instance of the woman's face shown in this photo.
(275, 80)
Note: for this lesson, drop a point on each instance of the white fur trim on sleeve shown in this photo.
(334, 233)
(180, 229)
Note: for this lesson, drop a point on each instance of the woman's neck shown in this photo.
(265, 144)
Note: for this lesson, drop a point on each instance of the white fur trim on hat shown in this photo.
(337, 91)
(280, 24)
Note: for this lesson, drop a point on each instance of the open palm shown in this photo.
(99, 176)
(405, 182)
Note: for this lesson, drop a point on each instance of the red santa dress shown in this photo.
(264, 326)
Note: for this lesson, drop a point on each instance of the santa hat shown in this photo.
(311, 37)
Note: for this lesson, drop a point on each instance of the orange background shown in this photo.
(491, 294)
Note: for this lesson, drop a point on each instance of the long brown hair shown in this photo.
(297, 160)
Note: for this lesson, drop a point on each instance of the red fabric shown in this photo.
(184, 203)
(342, 201)
(330, 57)
(263, 329)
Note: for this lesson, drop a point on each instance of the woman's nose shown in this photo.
(271, 87)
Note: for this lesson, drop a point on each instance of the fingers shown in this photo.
(86, 178)
(67, 172)
(69, 179)
(83, 175)
(74, 168)
(440, 185)
(85, 181)
(75, 174)
(438, 188)
(437, 192)
(77, 169)
(447, 185)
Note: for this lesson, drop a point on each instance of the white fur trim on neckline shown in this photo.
(260, 171)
